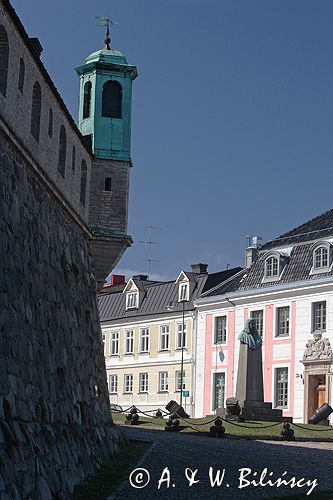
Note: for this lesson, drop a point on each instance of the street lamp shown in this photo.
(182, 362)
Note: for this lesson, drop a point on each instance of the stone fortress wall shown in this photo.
(55, 419)
(16, 110)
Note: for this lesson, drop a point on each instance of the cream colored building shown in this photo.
(142, 327)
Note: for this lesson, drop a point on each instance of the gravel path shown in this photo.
(177, 452)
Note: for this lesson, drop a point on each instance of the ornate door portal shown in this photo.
(317, 360)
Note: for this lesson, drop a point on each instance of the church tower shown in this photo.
(105, 122)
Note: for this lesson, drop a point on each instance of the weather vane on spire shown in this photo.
(106, 21)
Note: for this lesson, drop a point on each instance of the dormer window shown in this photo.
(183, 292)
(274, 265)
(132, 300)
(271, 267)
(321, 258)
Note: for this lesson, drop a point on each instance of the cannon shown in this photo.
(320, 414)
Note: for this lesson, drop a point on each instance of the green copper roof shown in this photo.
(108, 56)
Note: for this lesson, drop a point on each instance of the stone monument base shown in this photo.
(262, 411)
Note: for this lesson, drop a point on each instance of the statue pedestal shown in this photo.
(250, 385)
(250, 388)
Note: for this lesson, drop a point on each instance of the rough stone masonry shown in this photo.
(55, 420)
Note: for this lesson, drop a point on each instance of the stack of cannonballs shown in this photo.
(217, 429)
(172, 424)
(133, 416)
(287, 433)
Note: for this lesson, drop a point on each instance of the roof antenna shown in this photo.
(106, 21)
(149, 242)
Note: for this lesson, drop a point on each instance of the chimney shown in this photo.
(141, 277)
(199, 268)
(117, 279)
(252, 250)
(37, 46)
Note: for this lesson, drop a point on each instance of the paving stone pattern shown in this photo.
(55, 419)
(177, 452)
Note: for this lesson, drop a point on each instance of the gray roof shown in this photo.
(298, 268)
(314, 229)
(158, 297)
(298, 264)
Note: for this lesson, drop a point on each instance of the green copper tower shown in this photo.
(105, 122)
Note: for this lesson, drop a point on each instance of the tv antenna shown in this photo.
(150, 243)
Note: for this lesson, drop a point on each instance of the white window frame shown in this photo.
(277, 367)
(129, 338)
(183, 291)
(177, 375)
(179, 330)
(319, 269)
(116, 341)
(313, 318)
(163, 382)
(128, 380)
(262, 309)
(143, 382)
(132, 300)
(113, 384)
(270, 274)
(212, 399)
(144, 334)
(164, 334)
(215, 319)
(276, 325)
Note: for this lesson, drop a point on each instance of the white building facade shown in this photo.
(288, 290)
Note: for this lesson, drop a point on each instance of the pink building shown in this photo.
(287, 287)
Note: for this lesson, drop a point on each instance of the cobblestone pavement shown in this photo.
(178, 452)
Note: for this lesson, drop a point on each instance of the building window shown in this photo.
(36, 111)
(282, 322)
(86, 99)
(272, 267)
(83, 185)
(319, 316)
(218, 391)
(163, 382)
(4, 56)
(50, 127)
(128, 383)
(21, 75)
(73, 158)
(181, 336)
(220, 334)
(103, 340)
(144, 340)
(258, 317)
(179, 381)
(143, 382)
(114, 344)
(107, 184)
(281, 387)
(62, 151)
(164, 338)
(111, 99)
(321, 258)
(131, 300)
(183, 292)
(113, 384)
(129, 342)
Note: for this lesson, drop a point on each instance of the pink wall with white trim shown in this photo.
(230, 366)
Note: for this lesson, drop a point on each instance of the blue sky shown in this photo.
(232, 116)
